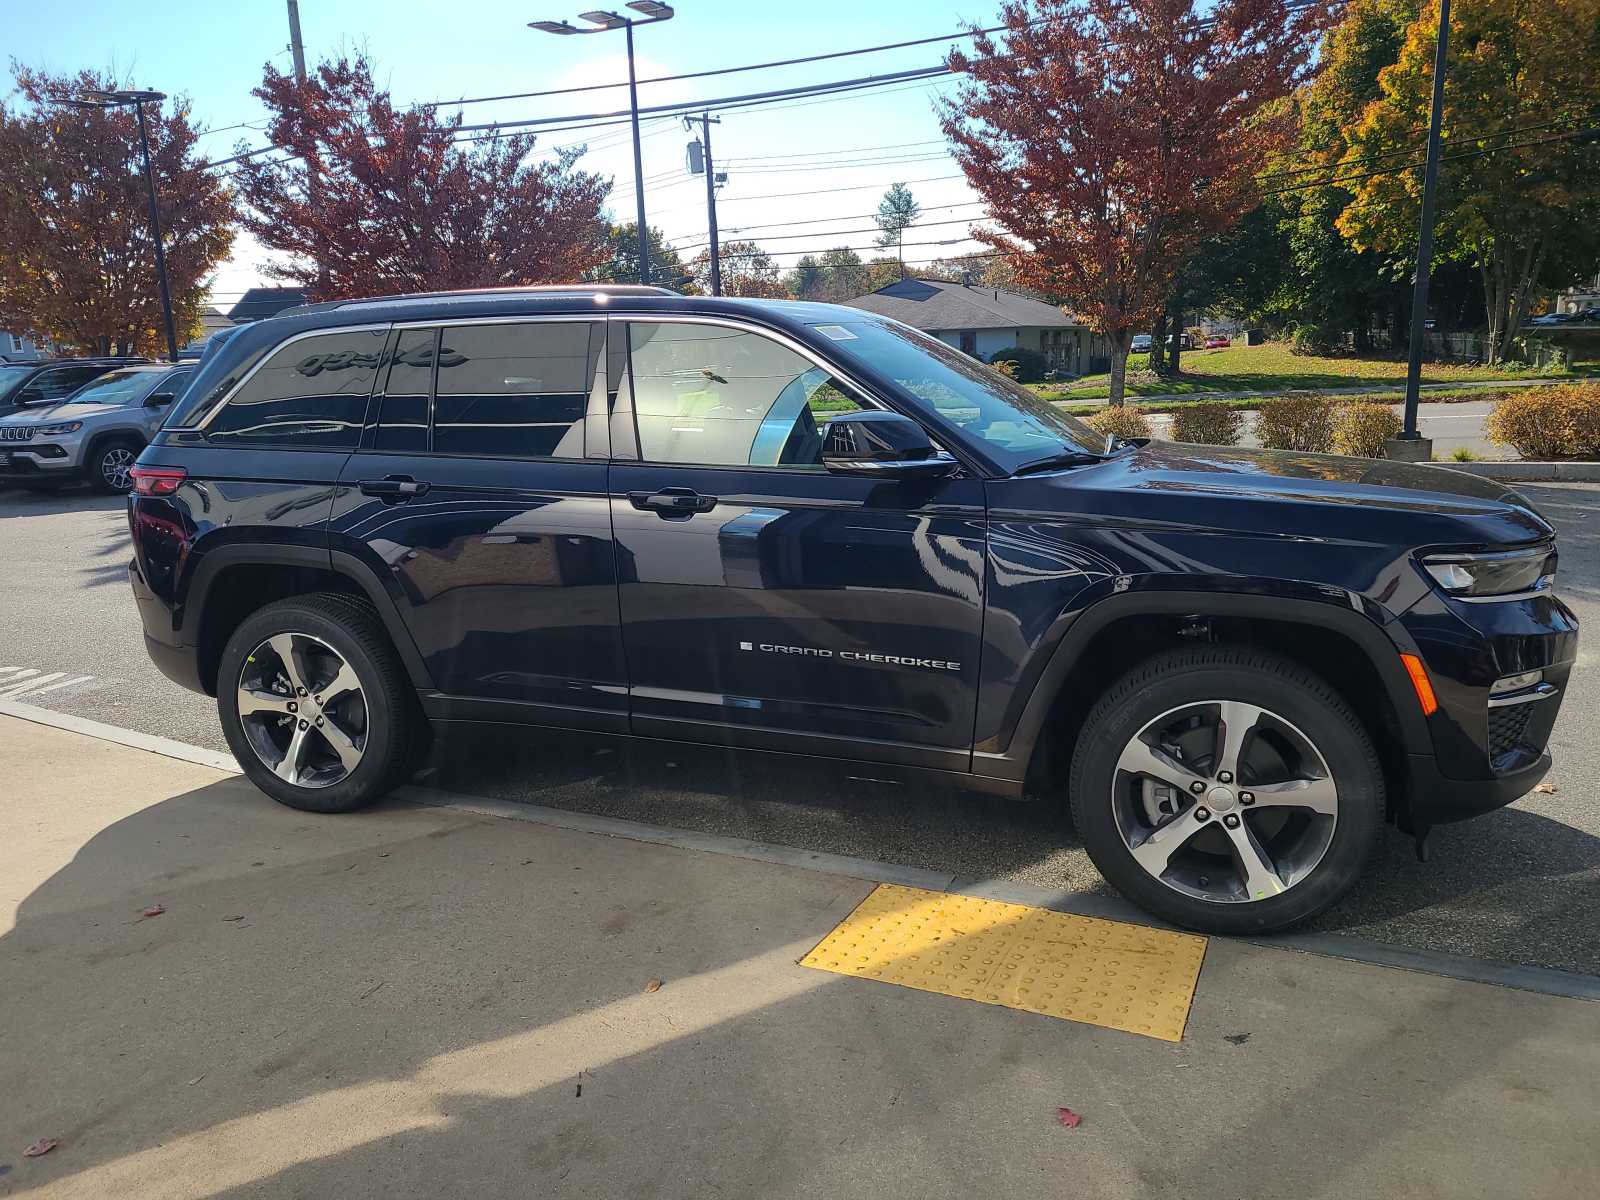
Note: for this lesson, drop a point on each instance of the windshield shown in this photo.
(1015, 425)
(117, 387)
(11, 379)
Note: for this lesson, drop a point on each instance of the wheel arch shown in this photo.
(98, 441)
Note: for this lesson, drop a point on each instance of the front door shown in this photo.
(765, 601)
(481, 492)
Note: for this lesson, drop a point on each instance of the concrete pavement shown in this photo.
(432, 1002)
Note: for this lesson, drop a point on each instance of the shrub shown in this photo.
(1209, 424)
(1549, 422)
(1314, 339)
(1463, 454)
(1360, 428)
(1296, 422)
(1123, 420)
(1029, 364)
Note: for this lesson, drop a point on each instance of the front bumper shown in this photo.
(40, 462)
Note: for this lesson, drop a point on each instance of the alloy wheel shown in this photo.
(115, 465)
(1224, 801)
(302, 710)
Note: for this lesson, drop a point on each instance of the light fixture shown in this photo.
(650, 8)
(606, 20)
(553, 27)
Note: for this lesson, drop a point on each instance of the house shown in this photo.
(981, 320)
(212, 320)
(257, 304)
(19, 347)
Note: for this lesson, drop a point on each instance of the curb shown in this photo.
(1527, 472)
(1544, 980)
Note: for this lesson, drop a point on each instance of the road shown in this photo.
(1520, 886)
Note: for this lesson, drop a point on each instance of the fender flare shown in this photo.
(1382, 645)
(216, 561)
(97, 442)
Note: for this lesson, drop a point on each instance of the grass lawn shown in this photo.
(1272, 368)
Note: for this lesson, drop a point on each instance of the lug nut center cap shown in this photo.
(1221, 799)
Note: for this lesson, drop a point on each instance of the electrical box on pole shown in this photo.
(697, 157)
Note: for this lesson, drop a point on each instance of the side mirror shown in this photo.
(160, 399)
(883, 444)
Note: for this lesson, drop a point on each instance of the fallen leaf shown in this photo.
(1068, 1118)
(653, 986)
(42, 1146)
(155, 910)
(1549, 789)
(240, 917)
(1238, 1039)
(526, 861)
(372, 989)
(198, 1078)
(383, 854)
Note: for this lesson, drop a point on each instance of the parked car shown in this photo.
(1218, 341)
(94, 434)
(1556, 318)
(52, 379)
(808, 529)
(1141, 344)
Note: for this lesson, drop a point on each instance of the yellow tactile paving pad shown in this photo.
(1104, 973)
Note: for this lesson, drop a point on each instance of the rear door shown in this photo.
(765, 601)
(480, 494)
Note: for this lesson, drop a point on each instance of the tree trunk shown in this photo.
(1521, 294)
(1175, 359)
(1119, 366)
(1158, 346)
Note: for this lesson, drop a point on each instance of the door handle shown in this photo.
(673, 504)
(394, 489)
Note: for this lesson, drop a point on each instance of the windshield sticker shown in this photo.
(837, 332)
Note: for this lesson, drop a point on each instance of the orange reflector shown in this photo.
(1419, 680)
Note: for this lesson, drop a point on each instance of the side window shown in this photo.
(59, 382)
(514, 390)
(309, 394)
(403, 419)
(714, 396)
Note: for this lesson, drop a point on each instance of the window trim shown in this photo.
(862, 393)
(268, 356)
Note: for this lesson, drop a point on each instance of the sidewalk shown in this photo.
(432, 1002)
(1365, 389)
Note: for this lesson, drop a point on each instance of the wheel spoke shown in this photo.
(1156, 851)
(1319, 795)
(1141, 758)
(343, 681)
(343, 744)
(1261, 878)
(288, 768)
(283, 645)
(1235, 720)
(254, 700)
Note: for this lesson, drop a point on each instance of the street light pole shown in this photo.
(1410, 446)
(604, 21)
(137, 100)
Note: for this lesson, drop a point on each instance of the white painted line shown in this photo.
(39, 691)
(12, 689)
(1331, 945)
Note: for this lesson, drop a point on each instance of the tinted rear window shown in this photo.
(514, 391)
(311, 393)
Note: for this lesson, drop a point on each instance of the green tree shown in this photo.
(897, 211)
(804, 279)
(747, 270)
(623, 266)
(1524, 209)
(835, 277)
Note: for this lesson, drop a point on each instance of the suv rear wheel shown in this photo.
(315, 704)
(1227, 790)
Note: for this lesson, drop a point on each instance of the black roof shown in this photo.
(88, 360)
(259, 303)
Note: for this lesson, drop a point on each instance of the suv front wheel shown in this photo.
(1227, 790)
(315, 704)
(109, 466)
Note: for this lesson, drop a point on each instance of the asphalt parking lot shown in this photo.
(1520, 886)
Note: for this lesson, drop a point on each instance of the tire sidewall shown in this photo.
(1330, 726)
(372, 773)
(97, 478)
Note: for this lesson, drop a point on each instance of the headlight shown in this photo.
(58, 430)
(1484, 576)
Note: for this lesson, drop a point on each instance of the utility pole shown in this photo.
(155, 233)
(297, 48)
(708, 166)
(1411, 446)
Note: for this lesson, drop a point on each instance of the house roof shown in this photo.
(262, 302)
(934, 304)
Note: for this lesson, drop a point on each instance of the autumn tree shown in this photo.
(1108, 138)
(897, 212)
(1519, 184)
(747, 270)
(836, 276)
(371, 199)
(77, 263)
(622, 266)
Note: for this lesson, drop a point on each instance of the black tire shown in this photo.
(99, 471)
(1173, 679)
(394, 724)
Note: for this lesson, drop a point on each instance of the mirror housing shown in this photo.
(882, 444)
(159, 399)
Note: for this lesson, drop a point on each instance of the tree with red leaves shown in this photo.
(78, 264)
(1108, 138)
(371, 199)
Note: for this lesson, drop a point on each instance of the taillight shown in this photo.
(157, 481)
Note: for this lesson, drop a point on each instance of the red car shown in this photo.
(1217, 342)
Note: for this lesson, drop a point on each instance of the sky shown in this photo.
(797, 181)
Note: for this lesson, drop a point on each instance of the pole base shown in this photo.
(1408, 449)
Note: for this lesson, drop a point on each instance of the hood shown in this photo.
(50, 414)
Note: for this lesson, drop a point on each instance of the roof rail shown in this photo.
(536, 289)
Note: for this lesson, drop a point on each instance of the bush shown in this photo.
(1029, 364)
(1549, 422)
(1360, 428)
(1463, 454)
(1296, 422)
(1124, 421)
(1210, 424)
(1314, 339)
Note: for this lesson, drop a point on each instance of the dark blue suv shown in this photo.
(805, 529)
